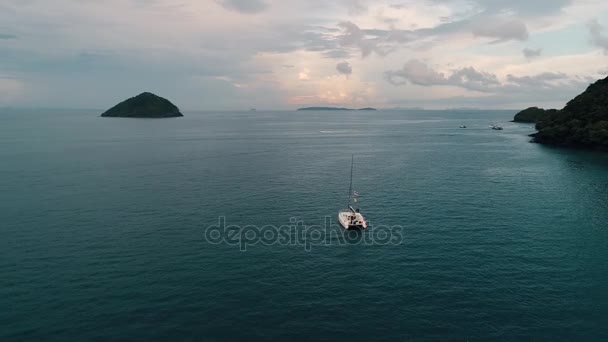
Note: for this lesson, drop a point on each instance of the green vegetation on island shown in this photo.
(334, 108)
(582, 123)
(144, 105)
(533, 114)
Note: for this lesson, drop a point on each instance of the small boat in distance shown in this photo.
(496, 128)
(463, 126)
(352, 218)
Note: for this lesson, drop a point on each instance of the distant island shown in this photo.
(533, 114)
(403, 108)
(334, 108)
(583, 123)
(463, 109)
(144, 105)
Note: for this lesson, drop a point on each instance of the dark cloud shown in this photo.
(472, 79)
(366, 41)
(344, 68)
(327, 45)
(532, 53)
(351, 37)
(598, 38)
(244, 6)
(539, 80)
(419, 73)
(339, 53)
(499, 28)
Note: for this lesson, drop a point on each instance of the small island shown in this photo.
(583, 123)
(144, 105)
(533, 115)
(334, 108)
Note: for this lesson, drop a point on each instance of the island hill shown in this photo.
(533, 114)
(144, 105)
(334, 108)
(583, 123)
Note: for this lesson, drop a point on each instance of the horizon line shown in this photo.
(270, 110)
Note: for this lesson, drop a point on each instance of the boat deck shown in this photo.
(351, 220)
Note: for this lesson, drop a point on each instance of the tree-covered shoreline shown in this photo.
(582, 123)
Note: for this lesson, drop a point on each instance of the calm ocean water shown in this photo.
(103, 226)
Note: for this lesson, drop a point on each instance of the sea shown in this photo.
(222, 226)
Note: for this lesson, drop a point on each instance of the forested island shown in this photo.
(334, 108)
(533, 114)
(583, 123)
(144, 105)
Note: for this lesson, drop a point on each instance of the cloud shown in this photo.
(228, 52)
(598, 38)
(471, 79)
(244, 6)
(344, 68)
(339, 53)
(532, 53)
(519, 7)
(416, 72)
(419, 73)
(501, 29)
(323, 40)
(539, 80)
(367, 41)
(357, 6)
(304, 75)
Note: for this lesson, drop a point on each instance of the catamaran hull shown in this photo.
(345, 222)
(359, 227)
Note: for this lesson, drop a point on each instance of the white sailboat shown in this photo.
(352, 218)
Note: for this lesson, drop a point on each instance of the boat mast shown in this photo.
(350, 188)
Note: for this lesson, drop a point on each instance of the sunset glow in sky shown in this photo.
(271, 54)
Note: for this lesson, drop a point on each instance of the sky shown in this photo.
(285, 54)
